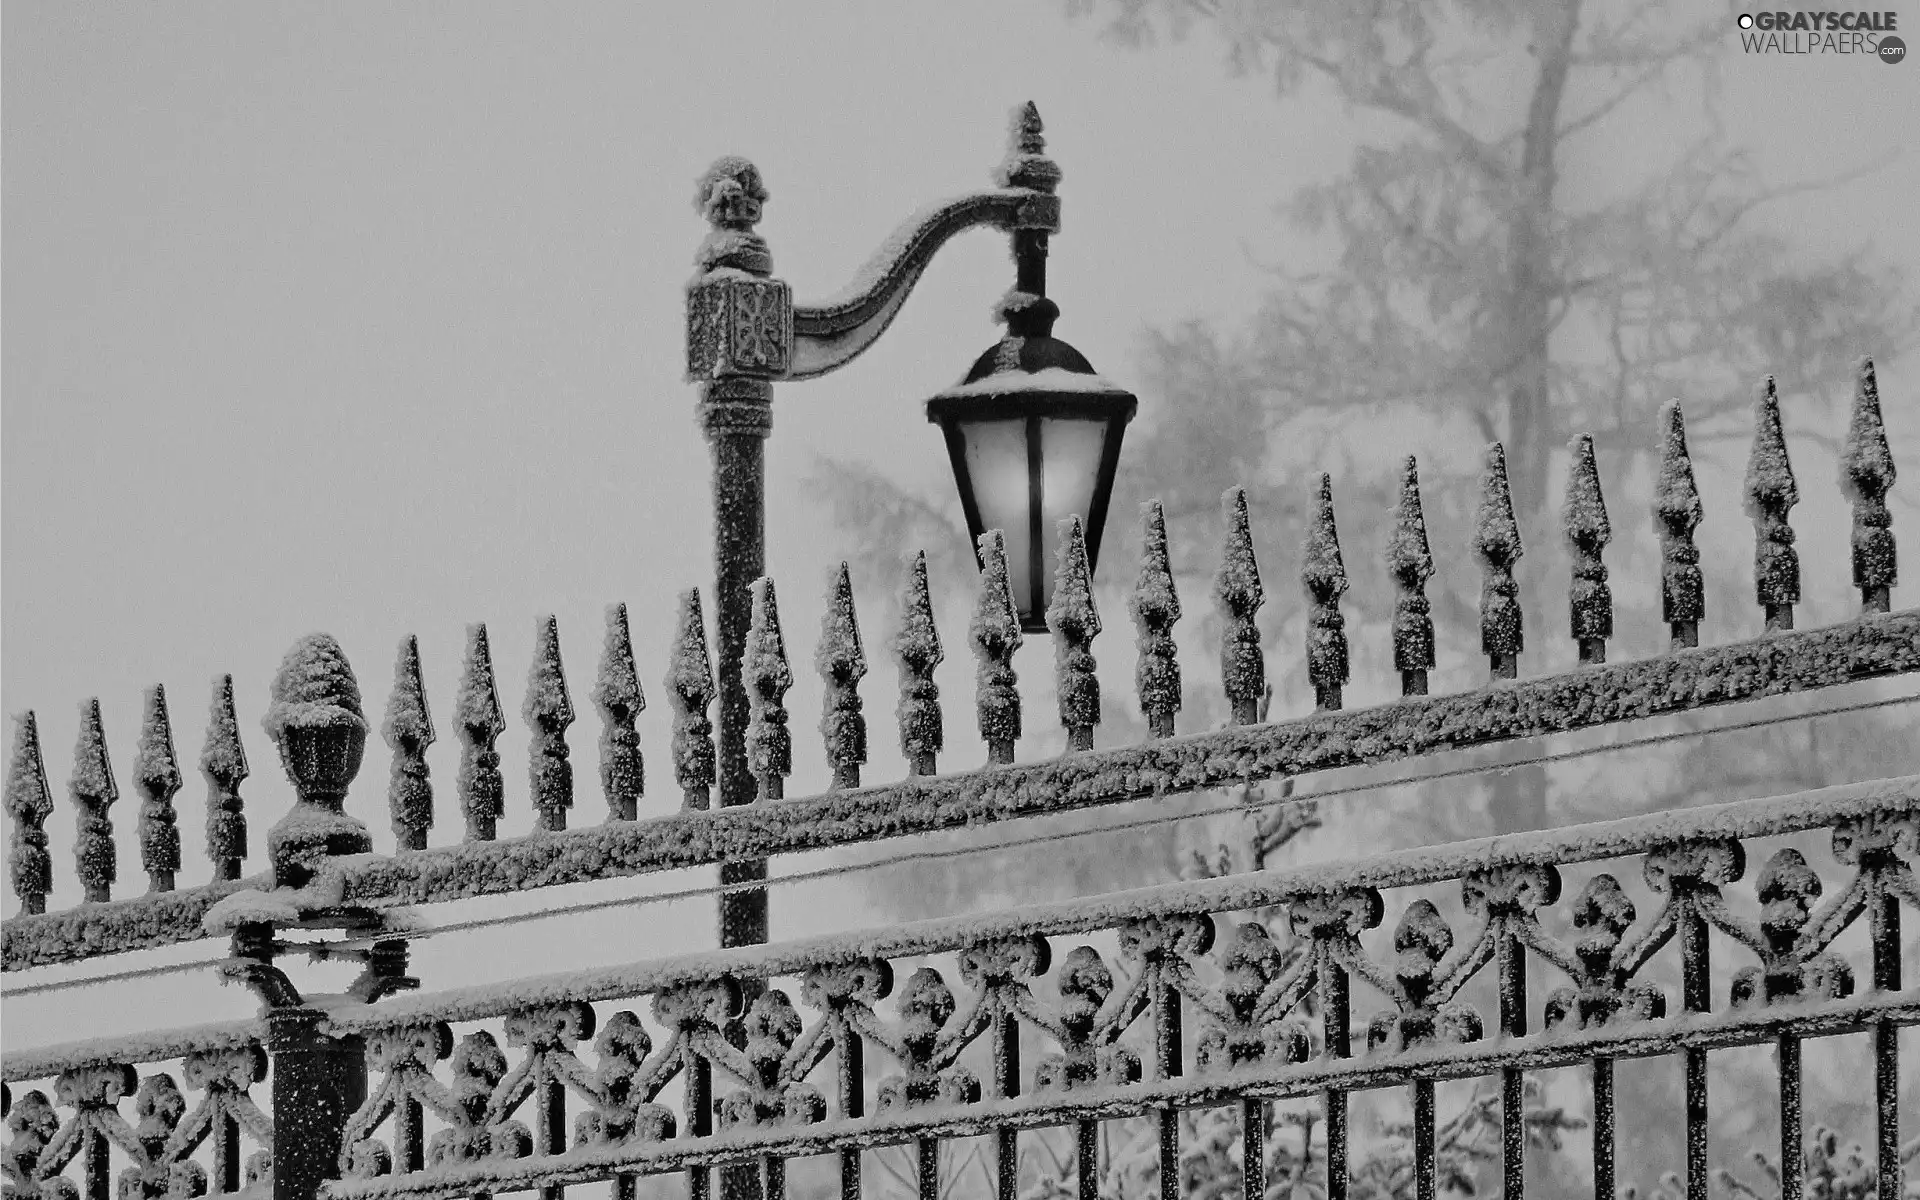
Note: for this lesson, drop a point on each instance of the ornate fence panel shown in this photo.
(1571, 947)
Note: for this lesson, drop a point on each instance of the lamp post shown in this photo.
(1033, 433)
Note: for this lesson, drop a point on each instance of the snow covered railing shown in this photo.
(175, 1146)
(331, 859)
(1182, 996)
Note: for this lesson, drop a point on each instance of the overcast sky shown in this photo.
(368, 319)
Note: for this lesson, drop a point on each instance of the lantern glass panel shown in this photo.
(997, 468)
(1071, 449)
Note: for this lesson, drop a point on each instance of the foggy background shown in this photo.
(369, 320)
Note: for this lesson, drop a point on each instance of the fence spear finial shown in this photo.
(617, 694)
(29, 804)
(1676, 509)
(1243, 666)
(1583, 518)
(689, 691)
(93, 792)
(478, 715)
(918, 651)
(1324, 575)
(156, 771)
(995, 633)
(767, 674)
(841, 659)
(223, 763)
(1866, 475)
(549, 711)
(408, 731)
(1155, 605)
(1496, 539)
(1410, 562)
(1075, 622)
(1771, 492)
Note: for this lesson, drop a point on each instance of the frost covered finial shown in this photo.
(1324, 575)
(730, 196)
(1677, 511)
(842, 663)
(1496, 540)
(1243, 666)
(1075, 622)
(618, 696)
(549, 711)
(315, 719)
(918, 651)
(689, 691)
(995, 633)
(29, 804)
(476, 710)
(93, 792)
(157, 774)
(1584, 519)
(223, 764)
(408, 731)
(1026, 164)
(1866, 475)
(1155, 605)
(767, 675)
(1771, 492)
(1410, 562)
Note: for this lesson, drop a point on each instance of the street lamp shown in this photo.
(1034, 434)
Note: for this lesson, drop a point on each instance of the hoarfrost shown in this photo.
(1155, 605)
(995, 634)
(917, 650)
(314, 687)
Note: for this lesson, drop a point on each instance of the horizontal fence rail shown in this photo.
(1867, 647)
(1229, 992)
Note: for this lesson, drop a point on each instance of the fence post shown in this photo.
(739, 339)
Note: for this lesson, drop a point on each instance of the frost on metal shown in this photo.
(313, 689)
(1155, 605)
(1027, 164)
(408, 731)
(995, 635)
(92, 790)
(765, 671)
(1324, 576)
(29, 804)
(477, 715)
(156, 772)
(1496, 541)
(1074, 622)
(689, 690)
(1583, 520)
(1201, 945)
(617, 694)
(1677, 511)
(917, 650)
(1866, 475)
(223, 764)
(1243, 666)
(841, 660)
(1770, 493)
(1410, 562)
(548, 710)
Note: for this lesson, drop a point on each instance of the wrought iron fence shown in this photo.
(1192, 1002)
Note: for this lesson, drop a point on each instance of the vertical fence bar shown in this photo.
(852, 1074)
(1337, 1022)
(1006, 1083)
(1883, 924)
(1426, 1186)
(1410, 562)
(995, 634)
(1155, 604)
(841, 660)
(1253, 1149)
(1587, 530)
(1792, 1168)
(918, 651)
(926, 1161)
(1074, 621)
(1496, 542)
(1086, 1170)
(1237, 588)
(550, 1135)
(1166, 1046)
(1603, 1165)
(1771, 492)
(1324, 575)
(1511, 964)
(699, 1105)
(1696, 996)
(1677, 512)
(1866, 473)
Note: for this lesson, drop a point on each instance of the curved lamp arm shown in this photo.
(833, 332)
